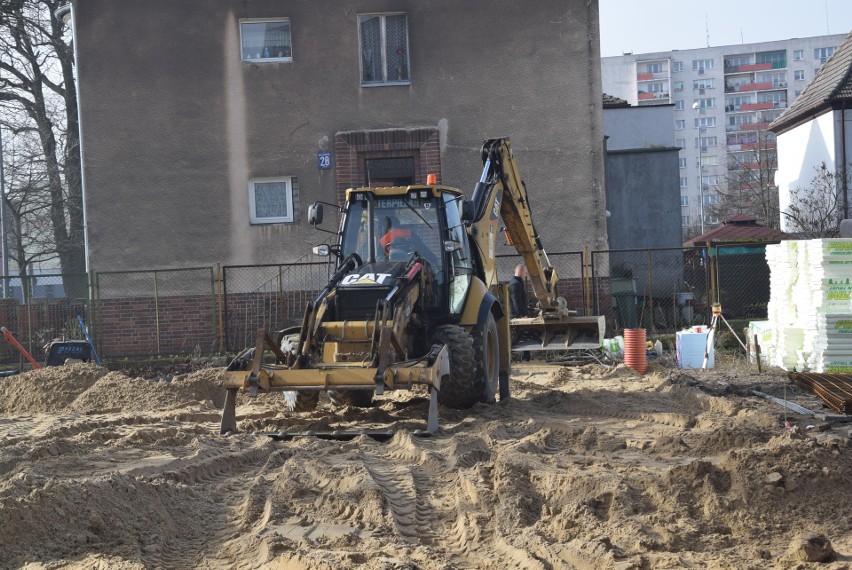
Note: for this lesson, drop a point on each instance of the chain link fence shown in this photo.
(213, 310)
(158, 312)
(36, 309)
(273, 297)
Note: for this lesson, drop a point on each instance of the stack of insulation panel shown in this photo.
(810, 306)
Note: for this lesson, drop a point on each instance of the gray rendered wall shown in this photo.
(174, 124)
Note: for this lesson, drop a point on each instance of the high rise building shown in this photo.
(724, 98)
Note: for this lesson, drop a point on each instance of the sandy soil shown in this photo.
(585, 467)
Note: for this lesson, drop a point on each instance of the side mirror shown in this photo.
(315, 214)
(322, 250)
(451, 246)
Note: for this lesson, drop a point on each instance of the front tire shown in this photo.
(463, 388)
(486, 347)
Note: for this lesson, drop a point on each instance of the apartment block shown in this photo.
(724, 99)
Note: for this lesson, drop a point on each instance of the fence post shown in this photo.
(587, 286)
(220, 329)
(653, 326)
(157, 312)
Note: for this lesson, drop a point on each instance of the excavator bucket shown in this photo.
(564, 333)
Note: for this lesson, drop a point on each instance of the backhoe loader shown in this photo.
(416, 299)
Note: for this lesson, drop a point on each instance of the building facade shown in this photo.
(724, 99)
(815, 132)
(209, 126)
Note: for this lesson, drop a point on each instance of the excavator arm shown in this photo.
(500, 189)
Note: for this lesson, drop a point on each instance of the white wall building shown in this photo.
(724, 98)
(817, 129)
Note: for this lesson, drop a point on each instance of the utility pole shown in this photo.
(701, 129)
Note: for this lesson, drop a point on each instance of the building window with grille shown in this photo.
(266, 40)
(271, 199)
(384, 49)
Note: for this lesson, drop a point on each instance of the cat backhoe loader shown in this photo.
(416, 300)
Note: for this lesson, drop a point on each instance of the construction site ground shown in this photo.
(586, 466)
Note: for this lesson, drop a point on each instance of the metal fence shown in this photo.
(214, 310)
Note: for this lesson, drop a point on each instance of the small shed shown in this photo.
(735, 273)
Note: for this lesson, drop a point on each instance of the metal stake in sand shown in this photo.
(714, 324)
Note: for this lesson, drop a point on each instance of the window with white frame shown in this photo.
(677, 66)
(710, 199)
(271, 199)
(266, 40)
(799, 75)
(684, 200)
(822, 54)
(682, 162)
(705, 161)
(798, 54)
(702, 64)
(678, 105)
(706, 83)
(706, 103)
(684, 182)
(742, 119)
(680, 143)
(677, 86)
(654, 68)
(705, 122)
(384, 48)
(711, 180)
(706, 141)
(684, 220)
(680, 124)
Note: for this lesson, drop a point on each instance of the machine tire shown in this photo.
(463, 388)
(300, 401)
(357, 398)
(486, 347)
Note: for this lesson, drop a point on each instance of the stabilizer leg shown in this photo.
(229, 413)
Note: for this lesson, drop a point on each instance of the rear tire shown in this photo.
(301, 401)
(463, 387)
(357, 398)
(486, 347)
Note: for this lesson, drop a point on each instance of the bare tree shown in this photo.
(814, 211)
(749, 184)
(38, 97)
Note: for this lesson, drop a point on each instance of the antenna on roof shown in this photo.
(707, 28)
(827, 30)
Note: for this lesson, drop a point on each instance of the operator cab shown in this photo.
(386, 229)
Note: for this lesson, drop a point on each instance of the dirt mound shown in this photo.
(584, 467)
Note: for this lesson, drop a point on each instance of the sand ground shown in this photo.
(585, 467)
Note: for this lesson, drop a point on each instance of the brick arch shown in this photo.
(352, 148)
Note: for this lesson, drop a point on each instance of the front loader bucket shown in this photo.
(564, 333)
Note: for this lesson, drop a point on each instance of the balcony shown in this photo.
(757, 106)
(746, 87)
(754, 67)
(644, 76)
(754, 126)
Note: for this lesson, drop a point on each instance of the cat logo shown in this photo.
(366, 279)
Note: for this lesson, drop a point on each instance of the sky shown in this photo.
(645, 26)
